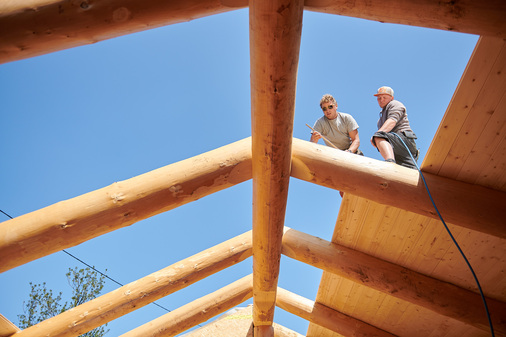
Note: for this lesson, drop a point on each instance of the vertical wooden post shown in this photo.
(275, 33)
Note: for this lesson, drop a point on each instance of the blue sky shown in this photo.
(80, 119)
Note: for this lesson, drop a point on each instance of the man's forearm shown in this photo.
(388, 125)
(354, 145)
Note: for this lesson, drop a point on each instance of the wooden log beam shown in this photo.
(466, 16)
(71, 222)
(198, 311)
(275, 33)
(462, 204)
(137, 294)
(34, 27)
(30, 28)
(7, 328)
(326, 317)
(438, 296)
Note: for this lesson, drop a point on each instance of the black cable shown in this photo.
(98, 271)
(451, 236)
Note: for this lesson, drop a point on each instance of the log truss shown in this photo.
(270, 157)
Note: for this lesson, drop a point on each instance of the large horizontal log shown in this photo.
(275, 34)
(462, 204)
(137, 294)
(198, 311)
(438, 296)
(467, 16)
(326, 317)
(35, 27)
(71, 222)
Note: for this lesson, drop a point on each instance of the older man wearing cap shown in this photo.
(394, 119)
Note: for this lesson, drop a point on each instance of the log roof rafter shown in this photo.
(273, 155)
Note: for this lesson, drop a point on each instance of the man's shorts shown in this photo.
(402, 156)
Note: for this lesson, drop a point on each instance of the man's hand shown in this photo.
(315, 137)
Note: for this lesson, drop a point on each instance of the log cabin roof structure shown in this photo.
(388, 270)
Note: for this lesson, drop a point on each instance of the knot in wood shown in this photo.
(384, 185)
(117, 197)
(176, 189)
(121, 14)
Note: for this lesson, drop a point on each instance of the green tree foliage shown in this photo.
(86, 284)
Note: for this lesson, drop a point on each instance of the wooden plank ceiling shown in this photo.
(469, 146)
(402, 274)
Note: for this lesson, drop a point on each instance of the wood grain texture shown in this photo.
(467, 145)
(392, 280)
(71, 222)
(467, 205)
(148, 289)
(198, 311)
(36, 27)
(476, 17)
(275, 34)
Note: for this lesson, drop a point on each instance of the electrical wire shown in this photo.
(98, 271)
(451, 236)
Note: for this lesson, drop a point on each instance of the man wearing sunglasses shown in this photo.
(393, 125)
(337, 128)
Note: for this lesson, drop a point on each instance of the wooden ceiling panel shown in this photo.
(487, 149)
(475, 126)
(493, 171)
(394, 315)
(423, 245)
(472, 130)
(419, 244)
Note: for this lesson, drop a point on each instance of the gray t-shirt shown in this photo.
(337, 130)
(397, 111)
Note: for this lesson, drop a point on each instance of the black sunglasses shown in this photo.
(329, 107)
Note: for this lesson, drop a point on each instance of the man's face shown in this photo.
(384, 99)
(329, 110)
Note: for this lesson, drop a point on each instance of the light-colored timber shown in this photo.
(397, 281)
(466, 16)
(198, 311)
(7, 328)
(390, 267)
(148, 289)
(325, 316)
(71, 222)
(36, 27)
(467, 205)
(237, 322)
(274, 26)
(65, 24)
(470, 138)
(68, 223)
